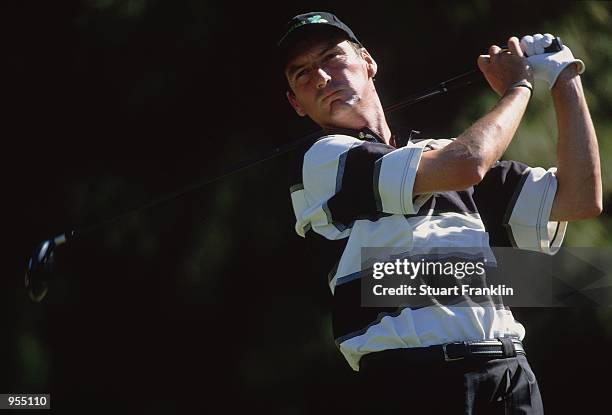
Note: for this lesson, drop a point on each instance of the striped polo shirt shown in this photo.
(350, 190)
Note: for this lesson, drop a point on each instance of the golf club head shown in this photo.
(39, 269)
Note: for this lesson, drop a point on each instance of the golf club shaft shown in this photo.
(459, 81)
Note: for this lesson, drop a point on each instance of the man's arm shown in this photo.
(579, 194)
(464, 162)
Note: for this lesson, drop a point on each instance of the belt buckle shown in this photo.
(447, 358)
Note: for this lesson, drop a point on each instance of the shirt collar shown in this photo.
(401, 136)
(363, 134)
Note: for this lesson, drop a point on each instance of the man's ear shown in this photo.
(295, 104)
(372, 66)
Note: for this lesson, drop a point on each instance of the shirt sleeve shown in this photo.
(514, 202)
(345, 179)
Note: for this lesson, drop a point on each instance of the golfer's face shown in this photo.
(328, 80)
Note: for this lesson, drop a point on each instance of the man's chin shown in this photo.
(340, 108)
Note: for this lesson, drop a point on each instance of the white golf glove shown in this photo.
(547, 66)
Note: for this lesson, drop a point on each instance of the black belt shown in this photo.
(448, 352)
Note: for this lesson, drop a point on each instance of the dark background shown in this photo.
(206, 304)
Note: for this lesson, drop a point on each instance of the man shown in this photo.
(358, 187)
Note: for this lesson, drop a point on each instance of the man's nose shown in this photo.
(322, 78)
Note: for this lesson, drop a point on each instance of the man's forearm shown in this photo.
(578, 168)
(465, 161)
(489, 137)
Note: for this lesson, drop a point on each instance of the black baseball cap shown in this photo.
(303, 24)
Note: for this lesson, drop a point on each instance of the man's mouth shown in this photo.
(330, 95)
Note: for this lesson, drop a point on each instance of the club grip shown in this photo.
(555, 46)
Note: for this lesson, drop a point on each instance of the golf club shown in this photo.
(41, 264)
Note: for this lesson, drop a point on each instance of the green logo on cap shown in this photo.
(312, 19)
(316, 19)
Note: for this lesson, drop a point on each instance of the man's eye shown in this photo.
(301, 73)
(331, 56)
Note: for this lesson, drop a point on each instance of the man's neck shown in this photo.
(381, 129)
(375, 119)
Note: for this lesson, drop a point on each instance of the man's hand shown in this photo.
(548, 66)
(504, 68)
(465, 161)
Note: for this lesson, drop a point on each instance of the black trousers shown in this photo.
(497, 386)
